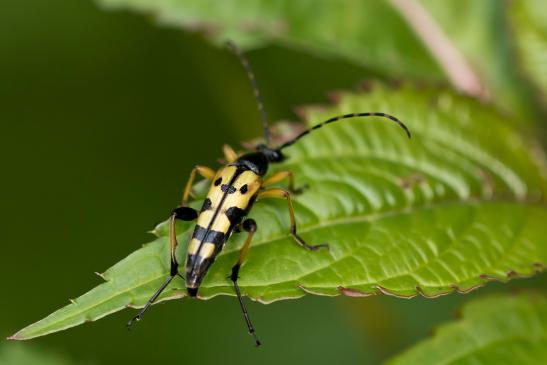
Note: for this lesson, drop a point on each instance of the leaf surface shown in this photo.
(493, 330)
(460, 204)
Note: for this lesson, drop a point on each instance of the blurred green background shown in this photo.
(103, 115)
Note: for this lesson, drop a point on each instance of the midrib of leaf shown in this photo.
(359, 219)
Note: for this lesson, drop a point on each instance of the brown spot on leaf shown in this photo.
(366, 86)
(487, 182)
(386, 291)
(511, 274)
(334, 96)
(412, 180)
(352, 292)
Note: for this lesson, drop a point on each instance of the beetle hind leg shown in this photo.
(249, 225)
(284, 194)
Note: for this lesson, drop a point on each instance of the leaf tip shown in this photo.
(18, 336)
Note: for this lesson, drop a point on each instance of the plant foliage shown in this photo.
(460, 204)
(493, 330)
(376, 35)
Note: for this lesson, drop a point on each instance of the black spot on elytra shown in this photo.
(228, 189)
(244, 189)
(205, 235)
(235, 214)
(218, 181)
(206, 205)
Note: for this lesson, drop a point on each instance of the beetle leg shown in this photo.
(278, 176)
(182, 213)
(229, 154)
(284, 194)
(204, 171)
(249, 225)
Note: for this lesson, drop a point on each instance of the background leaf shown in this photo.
(494, 330)
(17, 354)
(529, 26)
(480, 31)
(447, 211)
(374, 34)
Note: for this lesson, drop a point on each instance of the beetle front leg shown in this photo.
(229, 154)
(204, 171)
(284, 194)
(182, 213)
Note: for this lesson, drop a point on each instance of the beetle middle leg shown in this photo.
(284, 194)
(249, 225)
(281, 175)
(182, 213)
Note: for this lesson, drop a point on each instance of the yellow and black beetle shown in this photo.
(235, 187)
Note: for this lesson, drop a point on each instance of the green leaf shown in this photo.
(529, 25)
(17, 354)
(493, 330)
(373, 33)
(479, 30)
(376, 35)
(460, 204)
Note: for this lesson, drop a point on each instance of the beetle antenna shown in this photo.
(345, 116)
(254, 85)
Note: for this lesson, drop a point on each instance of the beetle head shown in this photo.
(272, 154)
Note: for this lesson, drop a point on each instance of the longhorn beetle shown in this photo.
(235, 187)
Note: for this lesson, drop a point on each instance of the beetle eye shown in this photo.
(277, 156)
